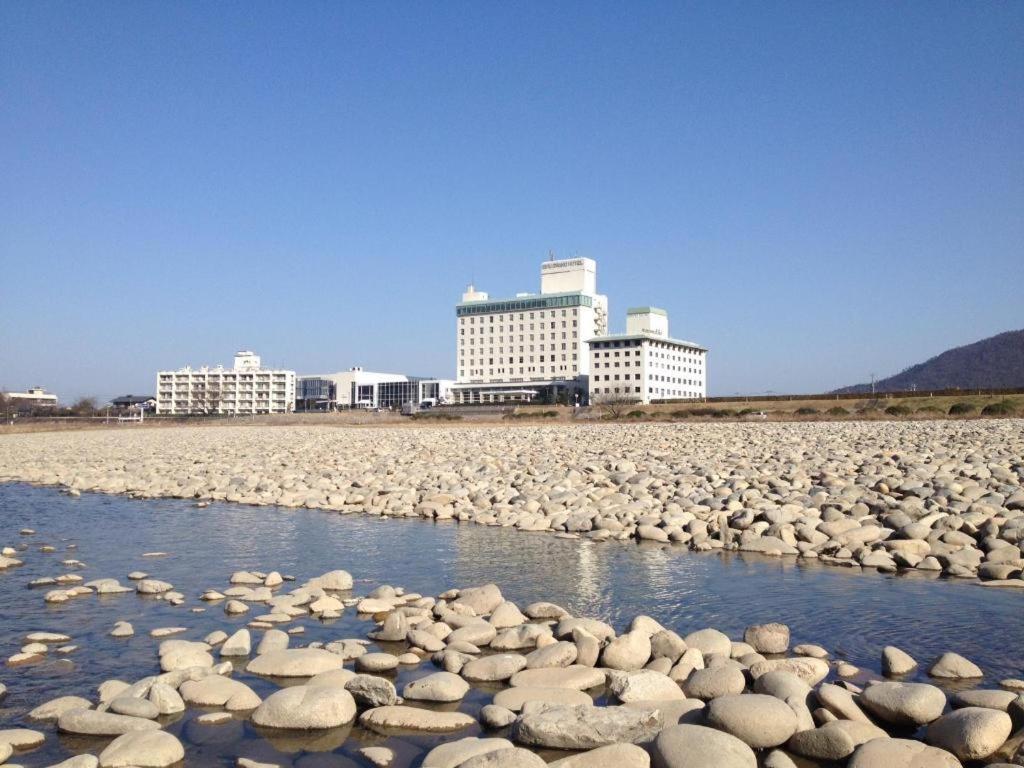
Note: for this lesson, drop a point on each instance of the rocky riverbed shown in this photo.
(941, 497)
(548, 687)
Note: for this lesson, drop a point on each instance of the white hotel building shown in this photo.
(246, 388)
(645, 363)
(530, 345)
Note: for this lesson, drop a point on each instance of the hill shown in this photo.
(993, 363)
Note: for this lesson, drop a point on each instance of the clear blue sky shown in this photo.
(815, 191)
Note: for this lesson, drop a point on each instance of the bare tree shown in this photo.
(84, 406)
(614, 406)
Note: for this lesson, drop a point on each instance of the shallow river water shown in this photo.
(853, 614)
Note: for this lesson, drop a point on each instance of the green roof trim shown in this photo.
(647, 337)
(646, 311)
(542, 301)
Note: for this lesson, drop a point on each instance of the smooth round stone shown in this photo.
(402, 718)
(767, 638)
(812, 671)
(900, 753)
(135, 707)
(89, 722)
(835, 740)
(644, 685)
(896, 662)
(500, 666)
(142, 749)
(495, 717)
(988, 698)
(439, 686)
(506, 758)
(709, 641)
(904, 703)
(627, 652)
(757, 720)
(575, 677)
(953, 666)
(166, 699)
(454, 753)
(559, 654)
(306, 708)
(218, 691)
(21, 738)
(560, 726)
(971, 733)
(78, 761)
(53, 709)
(695, 746)
(711, 683)
(611, 756)
(295, 662)
(376, 662)
(514, 698)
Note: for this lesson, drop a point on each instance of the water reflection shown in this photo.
(853, 614)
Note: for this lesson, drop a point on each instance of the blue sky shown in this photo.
(815, 191)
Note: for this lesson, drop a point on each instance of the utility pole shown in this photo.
(872, 384)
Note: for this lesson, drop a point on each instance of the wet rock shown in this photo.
(644, 685)
(306, 707)
(455, 753)
(904, 703)
(954, 666)
(900, 753)
(239, 644)
(295, 662)
(54, 708)
(896, 662)
(371, 691)
(695, 746)
(768, 638)
(560, 726)
(755, 719)
(440, 686)
(402, 718)
(612, 756)
(142, 749)
(575, 677)
(500, 666)
(89, 722)
(835, 740)
(217, 691)
(709, 684)
(971, 733)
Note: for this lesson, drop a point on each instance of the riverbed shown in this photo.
(852, 613)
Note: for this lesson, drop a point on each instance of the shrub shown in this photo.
(636, 414)
(933, 410)
(680, 414)
(746, 411)
(837, 410)
(898, 410)
(805, 411)
(960, 409)
(1004, 408)
(434, 416)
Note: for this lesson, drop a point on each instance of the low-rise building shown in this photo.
(245, 388)
(134, 402)
(645, 364)
(356, 388)
(35, 397)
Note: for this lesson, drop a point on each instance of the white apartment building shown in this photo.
(516, 349)
(645, 363)
(356, 388)
(36, 397)
(245, 388)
